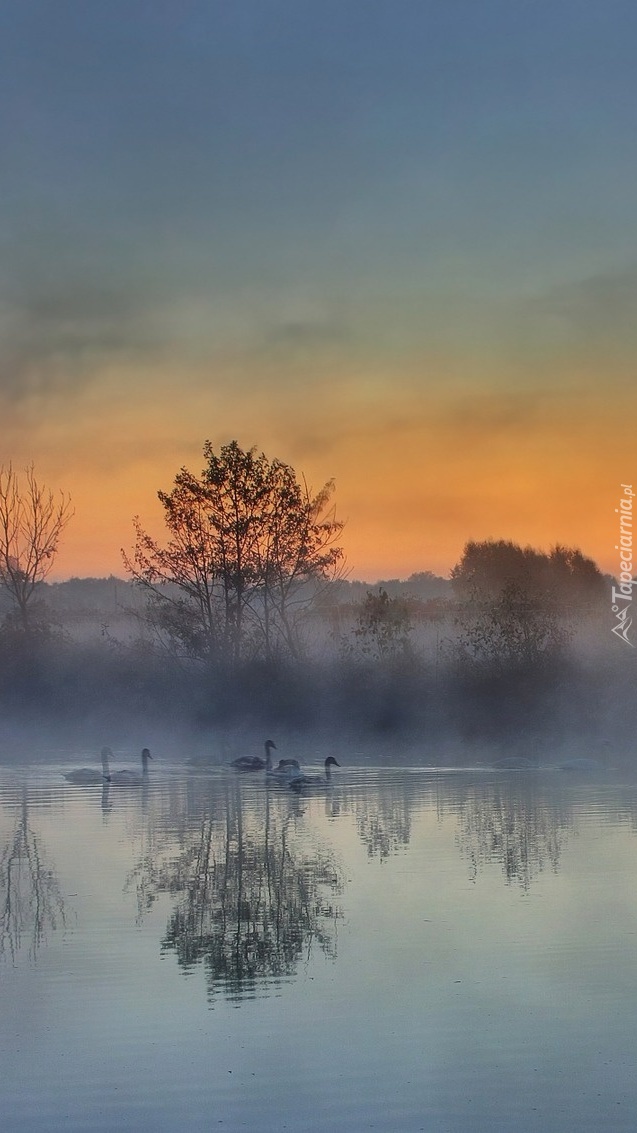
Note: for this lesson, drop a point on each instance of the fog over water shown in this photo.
(398, 672)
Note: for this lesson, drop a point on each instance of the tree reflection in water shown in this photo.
(384, 817)
(517, 821)
(30, 898)
(252, 901)
(517, 824)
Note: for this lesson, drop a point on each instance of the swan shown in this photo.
(132, 778)
(306, 782)
(287, 770)
(582, 764)
(254, 762)
(90, 776)
(514, 763)
(585, 763)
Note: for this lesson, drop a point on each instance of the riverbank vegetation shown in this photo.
(243, 619)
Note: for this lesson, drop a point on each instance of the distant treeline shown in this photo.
(109, 593)
(242, 618)
(489, 658)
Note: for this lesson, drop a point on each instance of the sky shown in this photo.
(390, 242)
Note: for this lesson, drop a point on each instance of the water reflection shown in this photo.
(384, 817)
(254, 893)
(518, 824)
(249, 875)
(495, 1011)
(31, 901)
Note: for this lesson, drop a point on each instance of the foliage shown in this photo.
(564, 577)
(517, 604)
(382, 628)
(245, 540)
(509, 631)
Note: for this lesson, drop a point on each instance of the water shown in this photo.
(450, 951)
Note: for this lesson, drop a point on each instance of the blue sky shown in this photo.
(299, 217)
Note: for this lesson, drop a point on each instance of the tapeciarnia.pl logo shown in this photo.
(622, 595)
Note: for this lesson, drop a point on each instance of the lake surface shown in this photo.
(450, 951)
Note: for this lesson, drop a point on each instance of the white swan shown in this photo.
(90, 776)
(254, 762)
(307, 782)
(132, 778)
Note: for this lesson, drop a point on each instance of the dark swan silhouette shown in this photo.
(254, 762)
(286, 770)
(90, 776)
(307, 782)
(132, 778)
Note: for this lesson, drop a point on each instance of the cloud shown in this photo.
(56, 331)
(309, 333)
(595, 315)
(489, 414)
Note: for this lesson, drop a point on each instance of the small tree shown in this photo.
(246, 537)
(383, 628)
(32, 520)
(510, 632)
(297, 550)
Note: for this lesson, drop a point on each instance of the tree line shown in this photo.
(250, 552)
(243, 610)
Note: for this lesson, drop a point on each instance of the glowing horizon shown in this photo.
(395, 250)
(412, 487)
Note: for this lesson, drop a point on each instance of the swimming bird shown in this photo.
(587, 764)
(514, 763)
(132, 778)
(254, 762)
(90, 776)
(287, 770)
(307, 782)
(582, 764)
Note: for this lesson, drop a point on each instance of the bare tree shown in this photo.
(32, 520)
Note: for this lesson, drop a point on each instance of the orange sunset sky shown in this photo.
(390, 244)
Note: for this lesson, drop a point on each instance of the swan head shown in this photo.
(270, 744)
(146, 754)
(331, 762)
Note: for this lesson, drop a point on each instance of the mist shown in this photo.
(386, 673)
